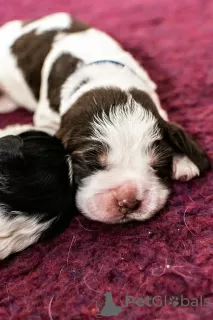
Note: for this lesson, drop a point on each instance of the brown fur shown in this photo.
(145, 101)
(31, 50)
(78, 26)
(76, 128)
(62, 68)
(76, 123)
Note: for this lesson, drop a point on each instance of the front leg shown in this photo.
(45, 119)
(47, 113)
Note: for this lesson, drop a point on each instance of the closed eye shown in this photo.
(99, 166)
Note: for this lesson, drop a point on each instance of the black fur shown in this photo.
(34, 179)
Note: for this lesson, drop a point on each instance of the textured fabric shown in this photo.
(169, 255)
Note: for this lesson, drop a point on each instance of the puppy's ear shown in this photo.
(10, 147)
(190, 159)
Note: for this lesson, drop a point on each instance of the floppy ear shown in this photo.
(190, 159)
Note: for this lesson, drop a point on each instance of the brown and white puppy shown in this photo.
(82, 84)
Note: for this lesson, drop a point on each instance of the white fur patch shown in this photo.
(17, 231)
(128, 129)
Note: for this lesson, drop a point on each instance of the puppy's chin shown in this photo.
(107, 206)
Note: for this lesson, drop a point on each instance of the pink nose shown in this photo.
(126, 196)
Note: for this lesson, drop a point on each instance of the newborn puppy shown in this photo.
(35, 189)
(81, 83)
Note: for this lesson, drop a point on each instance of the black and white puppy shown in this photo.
(104, 107)
(35, 189)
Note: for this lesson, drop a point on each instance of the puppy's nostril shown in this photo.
(133, 205)
(121, 203)
(124, 210)
(129, 205)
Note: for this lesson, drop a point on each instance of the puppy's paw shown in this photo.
(184, 169)
(48, 122)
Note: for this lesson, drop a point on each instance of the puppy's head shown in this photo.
(123, 154)
(34, 175)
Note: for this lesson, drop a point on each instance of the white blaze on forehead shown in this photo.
(128, 130)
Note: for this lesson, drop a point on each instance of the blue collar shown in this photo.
(116, 63)
(106, 61)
